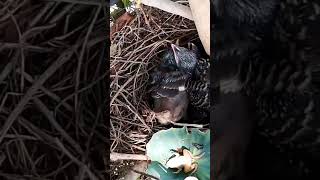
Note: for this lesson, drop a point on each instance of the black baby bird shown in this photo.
(175, 78)
(169, 94)
(174, 91)
(180, 58)
(187, 60)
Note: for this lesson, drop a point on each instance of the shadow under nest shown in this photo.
(135, 51)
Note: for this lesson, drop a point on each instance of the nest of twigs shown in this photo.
(135, 51)
(51, 81)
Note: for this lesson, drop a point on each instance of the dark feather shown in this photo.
(272, 51)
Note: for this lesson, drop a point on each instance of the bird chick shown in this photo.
(187, 60)
(198, 92)
(169, 84)
(202, 69)
(180, 58)
(169, 95)
(173, 85)
(171, 109)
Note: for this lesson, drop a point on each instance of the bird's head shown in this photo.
(182, 54)
(171, 56)
(180, 58)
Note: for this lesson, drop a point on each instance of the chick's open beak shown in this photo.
(175, 49)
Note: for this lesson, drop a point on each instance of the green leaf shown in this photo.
(204, 163)
(126, 3)
(158, 150)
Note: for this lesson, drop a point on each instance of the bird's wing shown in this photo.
(170, 85)
(202, 69)
(198, 92)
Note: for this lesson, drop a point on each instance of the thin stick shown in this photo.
(121, 156)
(74, 159)
(145, 174)
(190, 125)
(32, 90)
(49, 115)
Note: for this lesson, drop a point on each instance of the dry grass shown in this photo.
(51, 109)
(135, 52)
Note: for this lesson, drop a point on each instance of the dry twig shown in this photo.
(39, 133)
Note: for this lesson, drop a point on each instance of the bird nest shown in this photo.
(135, 50)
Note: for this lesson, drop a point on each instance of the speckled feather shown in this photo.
(198, 92)
(286, 89)
(187, 59)
(283, 77)
(169, 84)
(166, 84)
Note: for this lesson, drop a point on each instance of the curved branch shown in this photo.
(171, 7)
